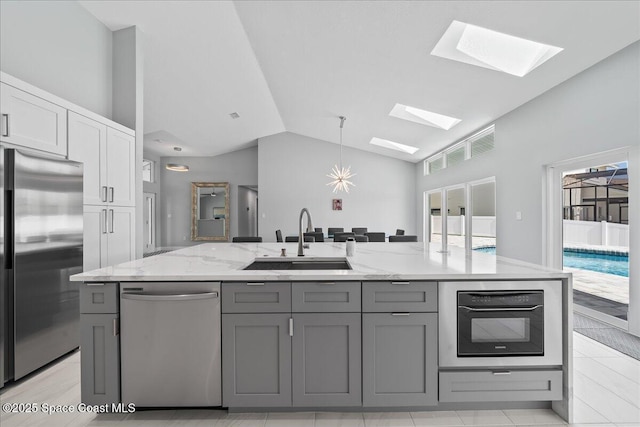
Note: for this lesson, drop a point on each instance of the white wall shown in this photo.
(236, 168)
(595, 111)
(60, 47)
(293, 174)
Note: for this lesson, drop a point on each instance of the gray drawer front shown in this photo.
(325, 297)
(99, 298)
(407, 296)
(256, 297)
(488, 386)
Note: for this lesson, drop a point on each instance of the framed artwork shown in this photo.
(337, 204)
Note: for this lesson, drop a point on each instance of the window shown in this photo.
(147, 170)
(434, 164)
(472, 146)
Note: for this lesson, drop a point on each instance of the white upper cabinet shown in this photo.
(109, 161)
(121, 171)
(88, 144)
(30, 121)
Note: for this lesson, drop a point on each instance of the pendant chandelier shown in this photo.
(339, 175)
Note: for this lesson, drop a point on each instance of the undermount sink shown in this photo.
(299, 264)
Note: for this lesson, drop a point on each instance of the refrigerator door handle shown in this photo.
(111, 220)
(104, 193)
(8, 230)
(5, 119)
(111, 193)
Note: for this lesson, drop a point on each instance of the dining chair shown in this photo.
(403, 238)
(307, 239)
(331, 231)
(399, 232)
(279, 236)
(317, 235)
(342, 237)
(375, 236)
(247, 239)
(359, 230)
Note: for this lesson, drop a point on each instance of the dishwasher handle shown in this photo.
(168, 297)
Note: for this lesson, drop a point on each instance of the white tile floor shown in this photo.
(606, 391)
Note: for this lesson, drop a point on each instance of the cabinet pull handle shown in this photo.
(104, 222)
(111, 214)
(5, 118)
(326, 283)
(291, 326)
(400, 283)
(94, 284)
(116, 327)
(111, 193)
(401, 314)
(104, 193)
(501, 372)
(255, 283)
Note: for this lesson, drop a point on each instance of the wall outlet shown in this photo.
(518, 216)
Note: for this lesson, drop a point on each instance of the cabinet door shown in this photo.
(94, 237)
(100, 364)
(87, 144)
(120, 235)
(121, 155)
(32, 122)
(400, 359)
(256, 360)
(326, 359)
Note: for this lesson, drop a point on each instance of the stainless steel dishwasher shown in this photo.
(170, 344)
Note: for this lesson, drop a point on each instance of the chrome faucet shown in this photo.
(301, 244)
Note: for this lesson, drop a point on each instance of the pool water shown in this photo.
(602, 263)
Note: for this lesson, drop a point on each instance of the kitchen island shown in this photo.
(385, 334)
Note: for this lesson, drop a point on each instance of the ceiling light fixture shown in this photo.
(339, 175)
(176, 167)
(491, 49)
(423, 117)
(234, 115)
(385, 143)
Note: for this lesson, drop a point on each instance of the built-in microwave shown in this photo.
(500, 323)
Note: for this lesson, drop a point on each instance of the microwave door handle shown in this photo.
(535, 307)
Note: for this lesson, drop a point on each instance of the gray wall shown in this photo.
(293, 174)
(236, 168)
(60, 47)
(595, 111)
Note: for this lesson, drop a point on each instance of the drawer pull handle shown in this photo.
(401, 314)
(94, 284)
(255, 283)
(400, 283)
(327, 283)
(501, 372)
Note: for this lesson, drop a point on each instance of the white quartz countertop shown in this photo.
(372, 261)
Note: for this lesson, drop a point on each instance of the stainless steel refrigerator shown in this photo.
(40, 247)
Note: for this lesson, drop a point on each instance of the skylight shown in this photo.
(393, 145)
(490, 49)
(423, 117)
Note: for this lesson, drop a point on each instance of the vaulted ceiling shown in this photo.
(298, 65)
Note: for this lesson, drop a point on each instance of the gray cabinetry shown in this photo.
(326, 359)
(400, 343)
(256, 360)
(100, 343)
(326, 297)
(256, 297)
(396, 296)
(503, 385)
(400, 359)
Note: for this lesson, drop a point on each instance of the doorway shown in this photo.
(149, 222)
(248, 210)
(590, 203)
